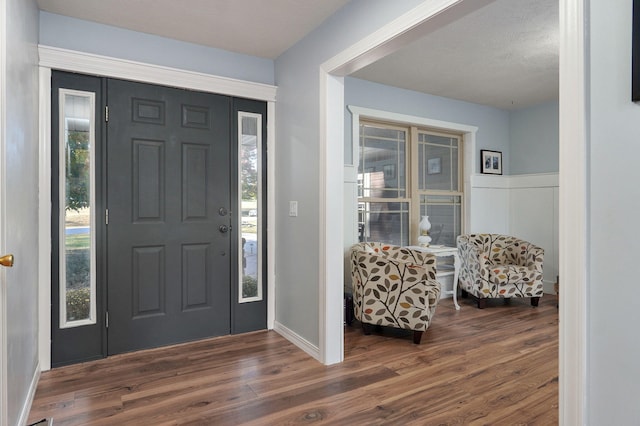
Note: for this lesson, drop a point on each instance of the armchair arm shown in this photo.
(473, 257)
(532, 255)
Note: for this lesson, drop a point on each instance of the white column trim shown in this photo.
(331, 270)
(574, 203)
(44, 219)
(271, 215)
(68, 60)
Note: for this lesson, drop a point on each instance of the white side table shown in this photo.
(442, 251)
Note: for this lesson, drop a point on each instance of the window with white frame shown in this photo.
(406, 172)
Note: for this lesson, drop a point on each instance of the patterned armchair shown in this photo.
(499, 266)
(394, 287)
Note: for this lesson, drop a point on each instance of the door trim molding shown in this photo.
(104, 66)
(573, 234)
(4, 391)
(86, 63)
(44, 219)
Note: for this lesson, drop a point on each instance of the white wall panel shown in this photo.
(533, 217)
(489, 210)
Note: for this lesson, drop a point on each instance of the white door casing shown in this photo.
(3, 281)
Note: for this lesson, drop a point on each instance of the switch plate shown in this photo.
(293, 208)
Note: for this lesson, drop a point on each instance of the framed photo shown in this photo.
(434, 166)
(491, 162)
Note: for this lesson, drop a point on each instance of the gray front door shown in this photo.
(168, 195)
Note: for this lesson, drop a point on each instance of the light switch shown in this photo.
(293, 208)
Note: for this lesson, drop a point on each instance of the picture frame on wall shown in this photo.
(491, 162)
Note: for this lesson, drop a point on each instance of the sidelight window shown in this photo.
(77, 236)
(250, 188)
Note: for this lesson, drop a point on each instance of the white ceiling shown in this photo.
(264, 28)
(504, 55)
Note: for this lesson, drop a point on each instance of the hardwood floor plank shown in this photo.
(498, 365)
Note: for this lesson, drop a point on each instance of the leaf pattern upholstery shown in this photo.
(495, 265)
(394, 286)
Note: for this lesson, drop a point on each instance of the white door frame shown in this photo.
(4, 419)
(573, 182)
(573, 230)
(67, 60)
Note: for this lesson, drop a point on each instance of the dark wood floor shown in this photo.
(497, 366)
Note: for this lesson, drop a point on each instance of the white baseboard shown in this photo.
(26, 408)
(297, 340)
(548, 287)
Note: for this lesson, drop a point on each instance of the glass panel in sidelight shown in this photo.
(77, 218)
(250, 184)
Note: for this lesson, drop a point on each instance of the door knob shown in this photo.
(7, 260)
(223, 228)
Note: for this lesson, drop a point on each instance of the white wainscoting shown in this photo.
(488, 204)
(525, 206)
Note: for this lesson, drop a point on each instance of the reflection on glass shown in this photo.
(250, 200)
(385, 222)
(381, 166)
(445, 215)
(77, 236)
(438, 162)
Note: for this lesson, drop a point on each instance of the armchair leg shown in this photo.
(534, 301)
(366, 329)
(417, 336)
(482, 303)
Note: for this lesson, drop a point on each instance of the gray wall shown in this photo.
(84, 36)
(297, 171)
(492, 123)
(20, 172)
(533, 135)
(613, 343)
